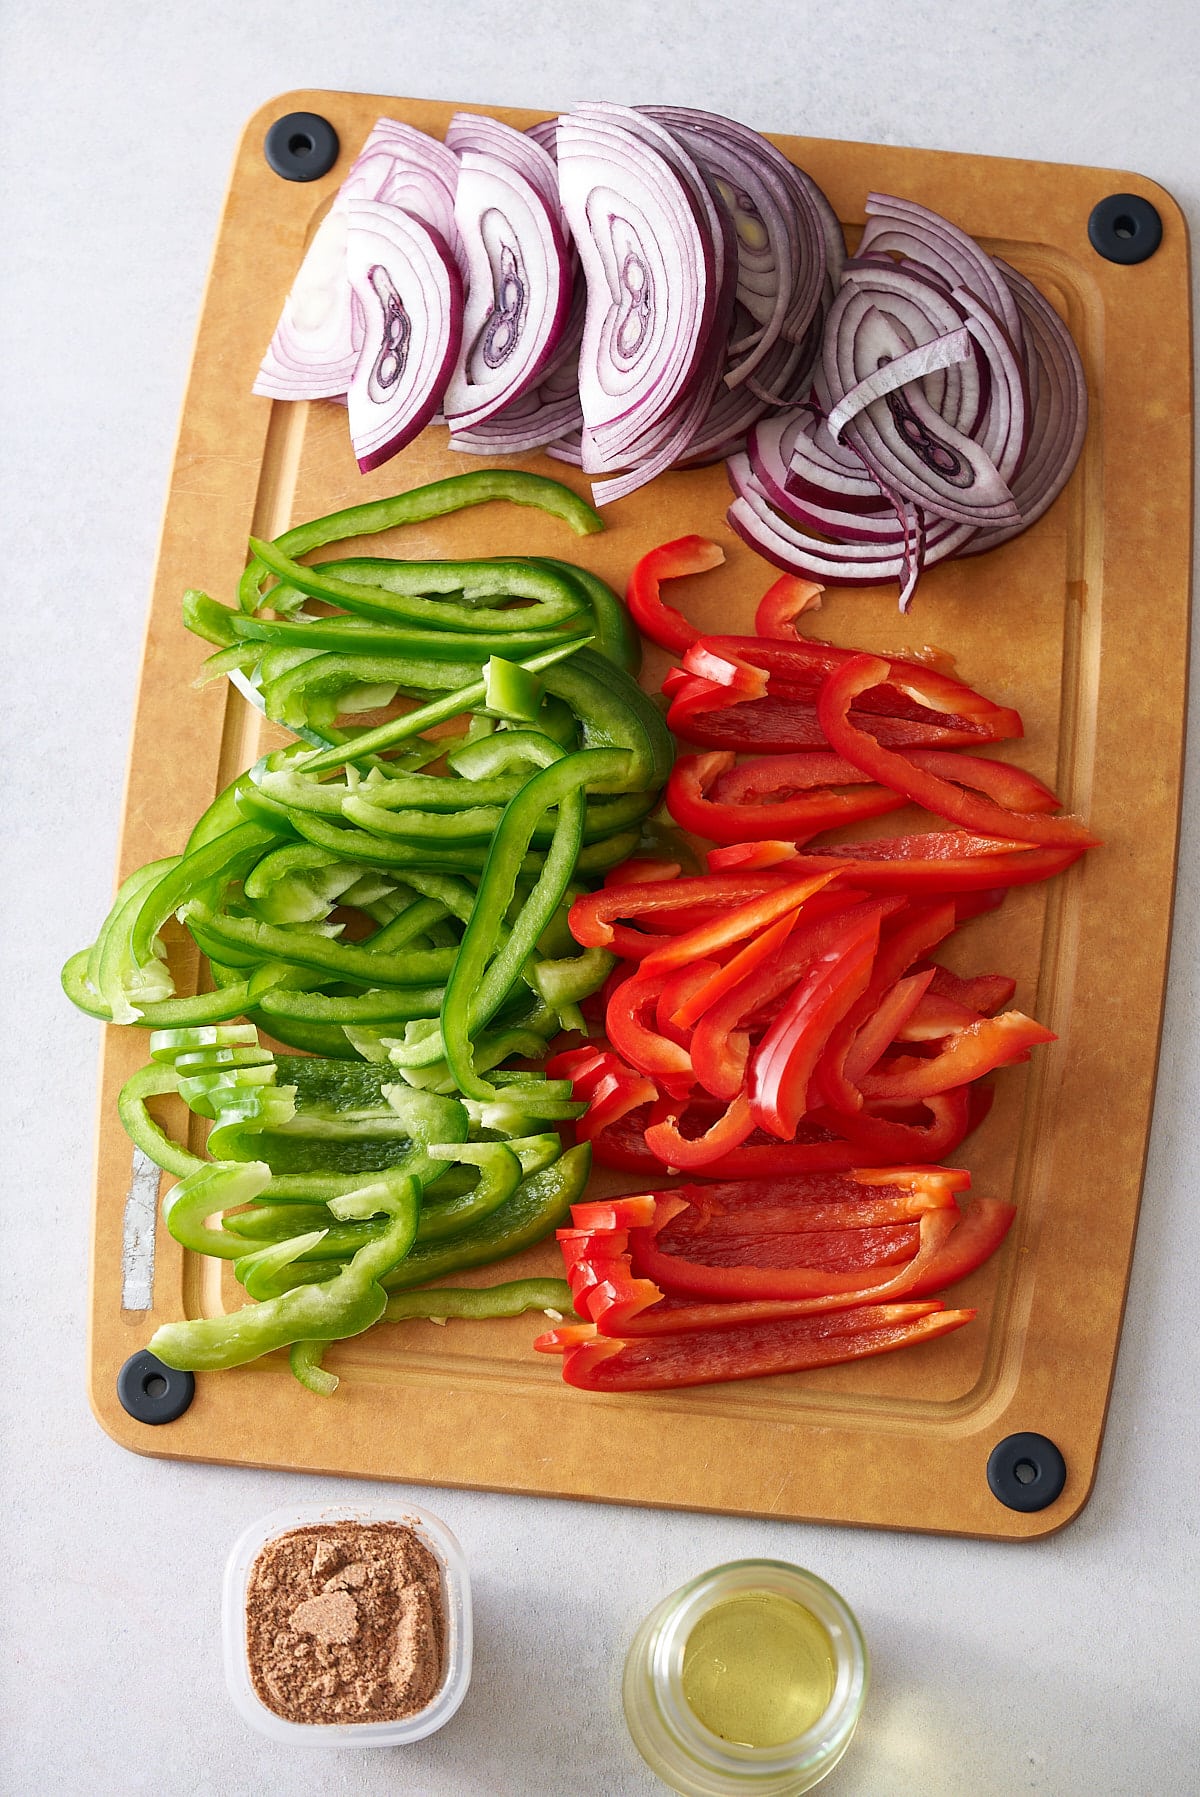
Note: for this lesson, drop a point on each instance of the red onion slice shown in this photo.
(407, 168)
(313, 351)
(410, 290)
(889, 376)
(940, 247)
(519, 290)
(905, 443)
(650, 271)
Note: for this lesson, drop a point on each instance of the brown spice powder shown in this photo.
(345, 1622)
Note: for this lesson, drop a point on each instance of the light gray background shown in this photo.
(1067, 1667)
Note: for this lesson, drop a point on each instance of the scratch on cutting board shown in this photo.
(137, 1236)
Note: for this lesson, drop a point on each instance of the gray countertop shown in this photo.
(1067, 1667)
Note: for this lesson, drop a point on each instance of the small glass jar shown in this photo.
(688, 1755)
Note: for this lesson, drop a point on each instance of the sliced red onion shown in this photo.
(914, 365)
(316, 344)
(313, 351)
(906, 444)
(650, 270)
(946, 251)
(833, 564)
(413, 171)
(780, 240)
(519, 287)
(820, 469)
(770, 447)
(410, 290)
(1058, 410)
(925, 310)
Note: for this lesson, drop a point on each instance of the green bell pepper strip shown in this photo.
(482, 977)
(305, 1358)
(154, 1082)
(209, 1094)
(553, 599)
(499, 1177)
(216, 623)
(341, 1306)
(328, 1040)
(298, 882)
(395, 1004)
(617, 636)
(350, 962)
(435, 500)
(614, 712)
(511, 691)
(438, 711)
(477, 1303)
(169, 1044)
(540, 1204)
(216, 1186)
(259, 1270)
(113, 973)
(206, 1007)
(602, 818)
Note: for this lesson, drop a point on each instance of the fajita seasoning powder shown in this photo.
(345, 1623)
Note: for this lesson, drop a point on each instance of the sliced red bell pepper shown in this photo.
(677, 991)
(616, 1094)
(991, 1042)
(888, 1141)
(703, 1357)
(714, 717)
(1012, 787)
(783, 1063)
(972, 811)
(629, 1030)
(935, 863)
(692, 1153)
(798, 816)
(824, 1288)
(934, 1018)
(594, 917)
(849, 1249)
(670, 561)
(841, 1070)
(788, 599)
(976, 1238)
(740, 921)
(985, 992)
(624, 1213)
(640, 870)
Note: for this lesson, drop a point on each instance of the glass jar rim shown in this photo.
(683, 1610)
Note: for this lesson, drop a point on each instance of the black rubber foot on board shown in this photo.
(301, 146)
(1124, 228)
(152, 1392)
(1026, 1471)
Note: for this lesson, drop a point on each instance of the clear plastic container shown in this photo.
(670, 1736)
(456, 1595)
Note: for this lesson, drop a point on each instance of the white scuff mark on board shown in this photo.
(137, 1237)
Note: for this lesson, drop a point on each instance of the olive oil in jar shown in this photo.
(758, 1669)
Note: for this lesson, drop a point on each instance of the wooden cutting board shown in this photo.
(1082, 624)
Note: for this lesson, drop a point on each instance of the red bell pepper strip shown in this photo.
(934, 864)
(821, 1287)
(630, 1034)
(593, 918)
(983, 1228)
(616, 1094)
(971, 811)
(641, 869)
(783, 1063)
(635, 1308)
(935, 1018)
(739, 676)
(788, 599)
(986, 992)
(730, 819)
(692, 1153)
(887, 1141)
(736, 924)
(619, 1213)
(705, 992)
(841, 1069)
(703, 1357)
(847, 1250)
(991, 1042)
(670, 561)
(1012, 787)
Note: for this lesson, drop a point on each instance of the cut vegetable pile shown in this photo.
(779, 1024)
(406, 926)
(640, 288)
